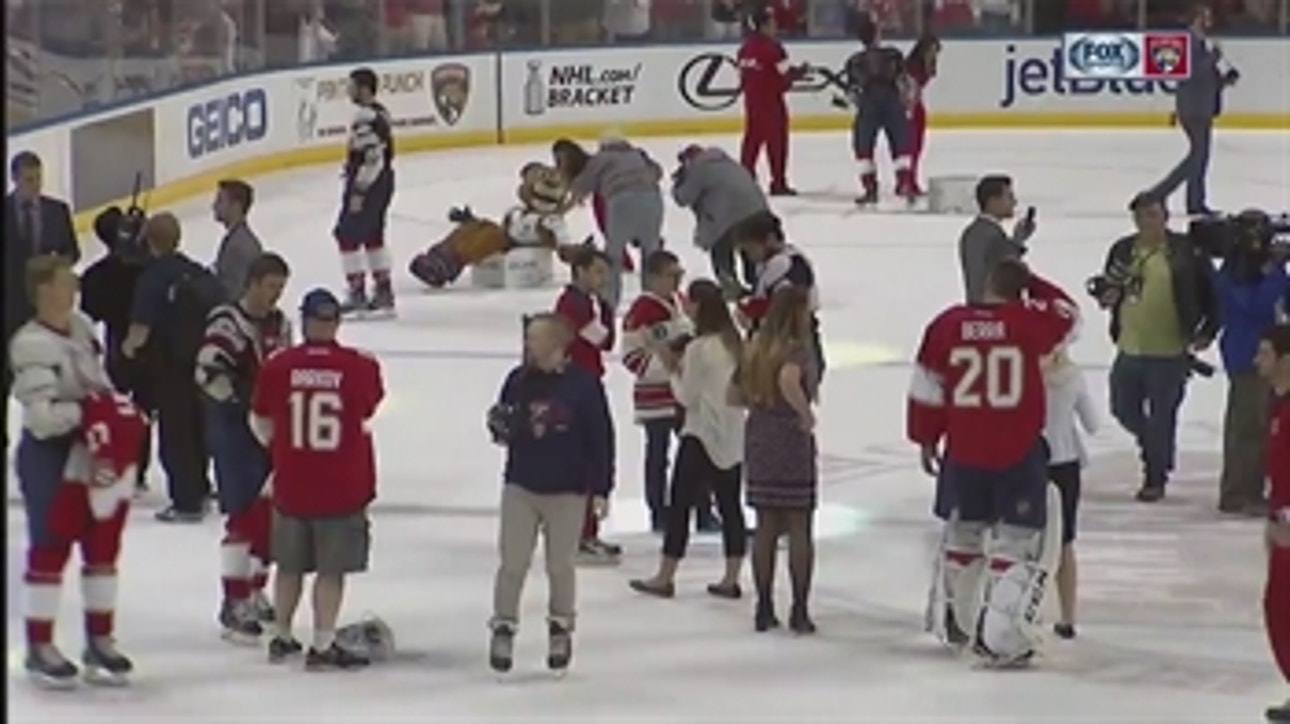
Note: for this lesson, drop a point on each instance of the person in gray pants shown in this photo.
(721, 193)
(1197, 103)
(627, 179)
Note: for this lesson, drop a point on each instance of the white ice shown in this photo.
(1170, 627)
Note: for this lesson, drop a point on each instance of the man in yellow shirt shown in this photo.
(1164, 309)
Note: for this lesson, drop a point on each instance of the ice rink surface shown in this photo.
(1170, 627)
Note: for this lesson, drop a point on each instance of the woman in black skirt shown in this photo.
(712, 442)
(778, 384)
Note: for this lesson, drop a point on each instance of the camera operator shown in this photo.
(1252, 283)
(107, 293)
(1160, 292)
(240, 247)
(1197, 103)
(984, 243)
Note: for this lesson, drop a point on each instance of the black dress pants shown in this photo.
(693, 476)
(181, 438)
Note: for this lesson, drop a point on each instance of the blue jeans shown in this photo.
(1146, 393)
(1193, 168)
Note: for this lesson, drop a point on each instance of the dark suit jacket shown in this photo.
(57, 236)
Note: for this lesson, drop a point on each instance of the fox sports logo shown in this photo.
(1103, 55)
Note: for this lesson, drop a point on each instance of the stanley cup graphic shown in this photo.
(534, 90)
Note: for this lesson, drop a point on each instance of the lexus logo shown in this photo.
(710, 82)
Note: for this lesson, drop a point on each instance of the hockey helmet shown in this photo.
(370, 637)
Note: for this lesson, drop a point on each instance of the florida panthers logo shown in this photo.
(1167, 58)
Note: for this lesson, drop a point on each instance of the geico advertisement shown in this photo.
(227, 120)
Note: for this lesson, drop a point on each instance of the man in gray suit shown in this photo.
(1196, 104)
(984, 243)
(721, 193)
(240, 247)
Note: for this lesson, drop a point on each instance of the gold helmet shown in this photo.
(543, 189)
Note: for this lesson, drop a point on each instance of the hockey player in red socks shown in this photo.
(881, 95)
(239, 337)
(76, 464)
(1273, 361)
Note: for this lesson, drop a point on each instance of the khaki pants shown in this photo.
(524, 515)
(1245, 434)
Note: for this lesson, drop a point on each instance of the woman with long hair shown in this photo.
(920, 65)
(712, 442)
(778, 384)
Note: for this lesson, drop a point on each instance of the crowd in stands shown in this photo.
(65, 55)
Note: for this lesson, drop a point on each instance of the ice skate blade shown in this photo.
(95, 676)
(51, 683)
(239, 639)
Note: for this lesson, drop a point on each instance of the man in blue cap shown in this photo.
(312, 407)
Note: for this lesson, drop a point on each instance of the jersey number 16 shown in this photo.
(315, 420)
(991, 377)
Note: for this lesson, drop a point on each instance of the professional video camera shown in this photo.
(1246, 242)
(122, 231)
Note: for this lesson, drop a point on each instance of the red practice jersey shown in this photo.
(318, 399)
(977, 380)
(1279, 459)
(763, 71)
(592, 322)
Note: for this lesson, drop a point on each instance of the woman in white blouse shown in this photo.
(712, 442)
(1069, 409)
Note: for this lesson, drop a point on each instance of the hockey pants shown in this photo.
(360, 234)
(886, 117)
(58, 518)
(767, 128)
(1276, 608)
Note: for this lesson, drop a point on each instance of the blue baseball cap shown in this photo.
(320, 304)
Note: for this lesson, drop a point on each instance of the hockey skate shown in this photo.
(333, 659)
(104, 665)
(381, 305)
(263, 609)
(501, 647)
(1278, 714)
(356, 302)
(559, 647)
(595, 552)
(49, 669)
(240, 623)
(281, 649)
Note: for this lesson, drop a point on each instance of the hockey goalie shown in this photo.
(538, 220)
(977, 410)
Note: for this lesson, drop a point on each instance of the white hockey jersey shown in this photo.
(53, 373)
(525, 227)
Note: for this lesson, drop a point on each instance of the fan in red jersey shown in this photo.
(765, 77)
(977, 409)
(1274, 364)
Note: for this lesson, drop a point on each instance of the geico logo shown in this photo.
(227, 122)
(332, 89)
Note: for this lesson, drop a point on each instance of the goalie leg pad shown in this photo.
(955, 598)
(1021, 563)
(437, 267)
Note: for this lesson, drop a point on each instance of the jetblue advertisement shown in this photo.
(1032, 74)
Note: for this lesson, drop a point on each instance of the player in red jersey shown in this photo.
(977, 409)
(311, 409)
(920, 66)
(1274, 364)
(765, 77)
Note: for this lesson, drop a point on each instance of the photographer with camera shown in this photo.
(107, 293)
(1159, 289)
(1251, 283)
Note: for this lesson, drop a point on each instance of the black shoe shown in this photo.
(764, 619)
(720, 590)
(334, 658)
(1278, 714)
(1151, 494)
(1064, 631)
(799, 621)
(501, 647)
(48, 668)
(281, 649)
(171, 514)
(559, 647)
(104, 664)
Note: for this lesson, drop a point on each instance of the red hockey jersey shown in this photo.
(1279, 459)
(977, 380)
(112, 430)
(652, 321)
(593, 328)
(313, 402)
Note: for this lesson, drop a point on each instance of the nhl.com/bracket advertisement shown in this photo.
(553, 86)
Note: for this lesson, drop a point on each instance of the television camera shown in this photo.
(1246, 242)
(122, 230)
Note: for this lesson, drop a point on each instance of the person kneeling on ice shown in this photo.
(76, 464)
(553, 418)
(537, 221)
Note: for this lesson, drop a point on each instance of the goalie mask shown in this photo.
(543, 189)
(370, 637)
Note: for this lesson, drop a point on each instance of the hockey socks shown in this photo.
(235, 569)
(99, 592)
(43, 588)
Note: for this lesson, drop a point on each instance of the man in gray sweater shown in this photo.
(1196, 104)
(721, 193)
(240, 246)
(984, 243)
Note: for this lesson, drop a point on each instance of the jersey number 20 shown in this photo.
(315, 420)
(992, 377)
